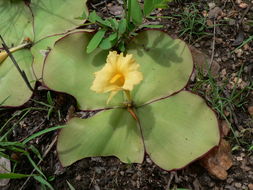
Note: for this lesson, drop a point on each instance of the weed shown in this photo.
(221, 99)
(193, 23)
(50, 105)
(18, 149)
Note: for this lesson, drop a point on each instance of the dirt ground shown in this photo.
(218, 43)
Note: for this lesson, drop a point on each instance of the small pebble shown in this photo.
(239, 52)
(238, 185)
(231, 22)
(78, 178)
(211, 5)
(243, 5)
(197, 45)
(229, 187)
(149, 160)
(230, 180)
(96, 187)
(250, 110)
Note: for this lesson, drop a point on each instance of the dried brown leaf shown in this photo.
(218, 161)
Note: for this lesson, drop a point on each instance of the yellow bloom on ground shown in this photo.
(119, 73)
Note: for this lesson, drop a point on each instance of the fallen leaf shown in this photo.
(218, 161)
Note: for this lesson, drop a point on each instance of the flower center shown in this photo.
(118, 79)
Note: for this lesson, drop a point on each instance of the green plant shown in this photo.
(153, 119)
(222, 99)
(29, 23)
(158, 117)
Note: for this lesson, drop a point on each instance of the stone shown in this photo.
(250, 186)
(231, 22)
(243, 5)
(238, 185)
(211, 5)
(215, 12)
(250, 110)
(5, 167)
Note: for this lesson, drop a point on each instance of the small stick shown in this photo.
(22, 73)
(213, 45)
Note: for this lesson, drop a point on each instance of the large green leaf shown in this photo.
(166, 65)
(178, 130)
(15, 22)
(13, 90)
(39, 52)
(56, 16)
(68, 68)
(41, 49)
(109, 133)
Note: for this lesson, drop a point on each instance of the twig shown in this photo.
(172, 175)
(213, 44)
(43, 156)
(22, 73)
(34, 129)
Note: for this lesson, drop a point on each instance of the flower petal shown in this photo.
(119, 73)
(132, 78)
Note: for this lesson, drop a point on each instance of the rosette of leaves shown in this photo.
(40, 23)
(174, 126)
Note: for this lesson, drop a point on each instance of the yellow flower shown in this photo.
(119, 73)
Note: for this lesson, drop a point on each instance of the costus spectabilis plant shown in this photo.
(135, 81)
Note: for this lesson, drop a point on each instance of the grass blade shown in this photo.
(13, 175)
(35, 166)
(43, 181)
(41, 133)
(70, 186)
